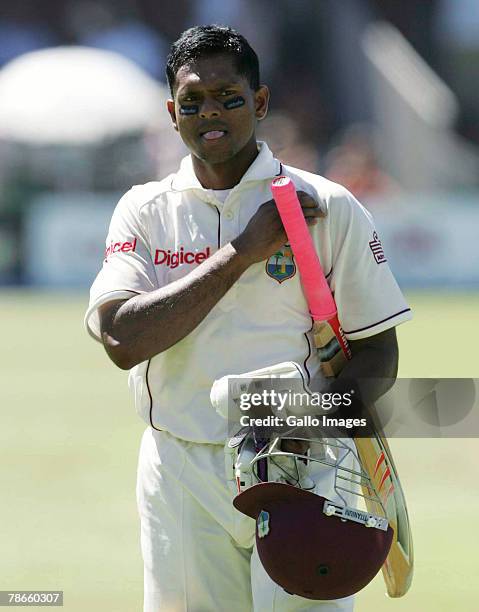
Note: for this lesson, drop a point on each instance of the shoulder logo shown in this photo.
(281, 265)
(120, 247)
(377, 249)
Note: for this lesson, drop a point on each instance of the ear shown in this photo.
(170, 105)
(261, 98)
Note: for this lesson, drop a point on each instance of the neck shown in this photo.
(225, 175)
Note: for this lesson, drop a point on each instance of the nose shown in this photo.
(209, 108)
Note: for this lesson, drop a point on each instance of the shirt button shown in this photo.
(229, 215)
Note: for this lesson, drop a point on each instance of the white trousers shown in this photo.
(197, 549)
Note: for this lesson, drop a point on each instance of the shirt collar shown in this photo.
(265, 166)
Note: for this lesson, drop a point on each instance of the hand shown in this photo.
(264, 235)
(290, 445)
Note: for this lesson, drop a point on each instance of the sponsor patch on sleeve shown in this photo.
(120, 247)
(377, 249)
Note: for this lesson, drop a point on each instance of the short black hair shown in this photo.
(201, 41)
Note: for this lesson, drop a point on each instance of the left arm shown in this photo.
(373, 367)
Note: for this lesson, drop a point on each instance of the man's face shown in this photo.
(214, 108)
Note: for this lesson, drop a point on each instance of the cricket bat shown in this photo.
(334, 352)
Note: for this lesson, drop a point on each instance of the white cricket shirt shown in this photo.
(162, 230)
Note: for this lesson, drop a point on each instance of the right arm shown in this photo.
(136, 329)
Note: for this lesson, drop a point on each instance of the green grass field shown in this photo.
(69, 438)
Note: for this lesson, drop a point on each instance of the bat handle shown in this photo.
(328, 335)
(316, 289)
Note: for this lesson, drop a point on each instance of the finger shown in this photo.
(319, 212)
(312, 217)
(299, 447)
(307, 202)
(312, 212)
(316, 211)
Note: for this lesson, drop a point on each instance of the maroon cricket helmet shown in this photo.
(307, 549)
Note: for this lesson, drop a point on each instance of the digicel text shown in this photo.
(173, 259)
(124, 247)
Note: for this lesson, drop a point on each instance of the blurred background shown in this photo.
(378, 95)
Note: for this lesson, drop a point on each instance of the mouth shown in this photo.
(213, 134)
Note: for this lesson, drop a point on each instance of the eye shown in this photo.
(226, 92)
(190, 97)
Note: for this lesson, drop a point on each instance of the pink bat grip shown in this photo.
(316, 289)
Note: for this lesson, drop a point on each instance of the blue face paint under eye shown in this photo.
(235, 103)
(192, 109)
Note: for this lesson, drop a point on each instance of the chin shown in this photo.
(216, 157)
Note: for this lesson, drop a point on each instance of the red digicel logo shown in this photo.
(123, 247)
(173, 259)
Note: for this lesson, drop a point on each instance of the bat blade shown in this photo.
(333, 351)
(376, 458)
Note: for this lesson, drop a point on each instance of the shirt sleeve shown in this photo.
(367, 295)
(127, 267)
